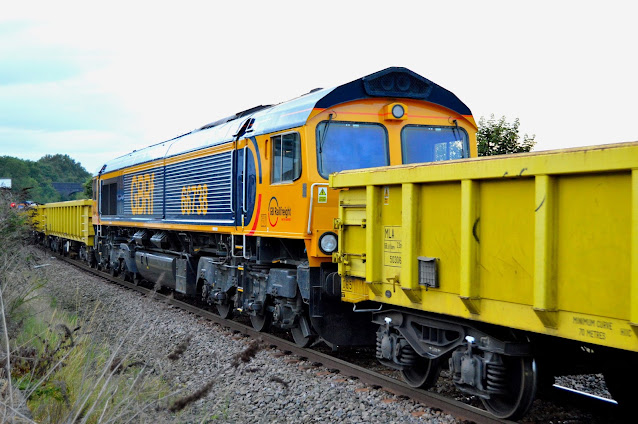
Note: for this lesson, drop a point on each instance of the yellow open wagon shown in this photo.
(67, 223)
(495, 255)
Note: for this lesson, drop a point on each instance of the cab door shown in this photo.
(286, 211)
(245, 184)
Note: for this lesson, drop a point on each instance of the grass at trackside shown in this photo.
(64, 375)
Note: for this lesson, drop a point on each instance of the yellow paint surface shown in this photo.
(541, 242)
(70, 220)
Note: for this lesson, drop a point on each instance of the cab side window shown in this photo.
(286, 158)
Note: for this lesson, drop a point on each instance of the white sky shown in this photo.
(96, 82)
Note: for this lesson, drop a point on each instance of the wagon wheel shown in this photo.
(423, 374)
(91, 259)
(225, 310)
(298, 333)
(521, 379)
(82, 253)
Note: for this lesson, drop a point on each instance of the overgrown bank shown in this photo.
(53, 370)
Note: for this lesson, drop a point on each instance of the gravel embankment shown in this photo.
(270, 388)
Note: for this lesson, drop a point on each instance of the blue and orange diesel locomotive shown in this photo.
(239, 211)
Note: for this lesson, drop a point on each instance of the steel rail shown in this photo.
(459, 410)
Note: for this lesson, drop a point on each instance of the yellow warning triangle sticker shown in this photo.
(323, 195)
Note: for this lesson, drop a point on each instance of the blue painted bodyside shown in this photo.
(206, 183)
(132, 184)
(183, 191)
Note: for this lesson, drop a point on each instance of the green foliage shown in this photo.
(501, 138)
(88, 188)
(34, 179)
(61, 168)
(13, 222)
(68, 377)
(64, 374)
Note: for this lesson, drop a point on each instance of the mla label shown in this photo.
(392, 246)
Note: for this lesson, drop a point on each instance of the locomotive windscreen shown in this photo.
(432, 144)
(350, 145)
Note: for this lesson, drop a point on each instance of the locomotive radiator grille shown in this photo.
(187, 177)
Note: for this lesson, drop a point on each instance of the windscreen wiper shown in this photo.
(323, 136)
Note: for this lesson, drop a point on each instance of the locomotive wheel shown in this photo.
(125, 274)
(224, 310)
(424, 374)
(297, 333)
(522, 380)
(260, 322)
(114, 271)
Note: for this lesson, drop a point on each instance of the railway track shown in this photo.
(459, 410)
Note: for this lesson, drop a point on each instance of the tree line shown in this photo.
(499, 137)
(33, 179)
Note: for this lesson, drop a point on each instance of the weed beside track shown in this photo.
(51, 369)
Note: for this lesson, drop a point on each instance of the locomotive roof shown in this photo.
(394, 82)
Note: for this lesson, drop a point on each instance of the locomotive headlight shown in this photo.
(398, 111)
(328, 243)
(395, 112)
